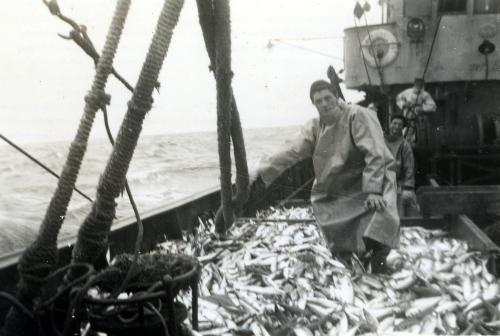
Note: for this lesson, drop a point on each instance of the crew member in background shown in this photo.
(405, 167)
(372, 107)
(414, 103)
(354, 194)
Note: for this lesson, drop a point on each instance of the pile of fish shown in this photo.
(278, 278)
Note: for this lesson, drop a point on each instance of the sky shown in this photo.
(43, 78)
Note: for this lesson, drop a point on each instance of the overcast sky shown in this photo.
(44, 78)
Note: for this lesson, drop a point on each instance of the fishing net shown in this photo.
(148, 304)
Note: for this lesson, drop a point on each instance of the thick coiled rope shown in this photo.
(214, 20)
(41, 257)
(92, 238)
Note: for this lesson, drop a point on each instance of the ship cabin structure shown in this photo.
(454, 46)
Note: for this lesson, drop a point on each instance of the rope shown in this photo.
(41, 257)
(432, 46)
(487, 67)
(22, 321)
(207, 22)
(93, 234)
(412, 123)
(223, 76)
(160, 317)
(87, 271)
(299, 189)
(81, 38)
(19, 321)
(79, 35)
(79, 294)
(308, 49)
(15, 303)
(22, 151)
(140, 226)
(308, 38)
(362, 53)
(379, 68)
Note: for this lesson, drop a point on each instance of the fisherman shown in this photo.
(354, 193)
(405, 166)
(415, 103)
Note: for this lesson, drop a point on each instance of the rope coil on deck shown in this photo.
(41, 257)
(93, 234)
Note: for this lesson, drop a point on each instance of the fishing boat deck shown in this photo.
(273, 274)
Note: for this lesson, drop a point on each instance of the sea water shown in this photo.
(164, 168)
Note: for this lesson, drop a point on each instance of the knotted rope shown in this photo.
(93, 234)
(41, 257)
(79, 35)
(214, 20)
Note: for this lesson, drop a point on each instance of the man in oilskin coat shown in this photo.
(405, 166)
(354, 193)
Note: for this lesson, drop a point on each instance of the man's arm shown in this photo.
(368, 138)
(408, 181)
(428, 104)
(401, 99)
(292, 152)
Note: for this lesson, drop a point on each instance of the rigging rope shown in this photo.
(223, 77)
(92, 238)
(432, 46)
(81, 38)
(362, 53)
(41, 164)
(79, 35)
(41, 257)
(377, 64)
(308, 38)
(308, 49)
(487, 67)
(411, 130)
(140, 226)
(207, 14)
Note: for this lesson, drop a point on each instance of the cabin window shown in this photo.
(418, 8)
(452, 6)
(486, 6)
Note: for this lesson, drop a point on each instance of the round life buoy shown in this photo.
(383, 45)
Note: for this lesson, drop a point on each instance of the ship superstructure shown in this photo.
(453, 45)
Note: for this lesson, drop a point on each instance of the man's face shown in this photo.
(396, 127)
(326, 103)
(417, 87)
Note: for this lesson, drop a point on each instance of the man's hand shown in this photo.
(253, 177)
(408, 196)
(375, 202)
(410, 105)
(256, 186)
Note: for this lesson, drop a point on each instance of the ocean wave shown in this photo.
(164, 168)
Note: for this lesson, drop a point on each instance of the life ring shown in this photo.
(384, 43)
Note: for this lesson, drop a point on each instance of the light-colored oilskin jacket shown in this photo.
(350, 161)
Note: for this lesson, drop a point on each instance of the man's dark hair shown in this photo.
(320, 85)
(399, 116)
(419, 80)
